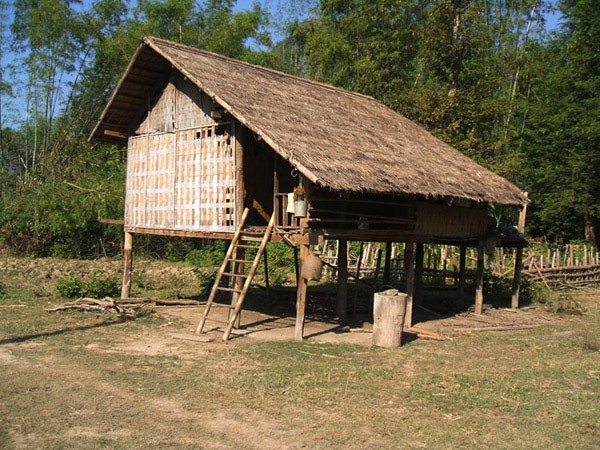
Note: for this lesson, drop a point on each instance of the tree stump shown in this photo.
(389, 310)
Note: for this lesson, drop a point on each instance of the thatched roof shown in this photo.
(339, 139)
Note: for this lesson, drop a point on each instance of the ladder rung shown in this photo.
(229, 274)
(228, 289)
(241, 260)
(247, 246)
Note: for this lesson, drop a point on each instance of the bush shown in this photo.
(98, 287)
(211, 255)
(70, 287)
(207, 280)
(102, 287)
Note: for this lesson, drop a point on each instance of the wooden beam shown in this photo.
(342, 280)
(409, 268)
(301, 297)
(116, 134)
(127, 265)
(479, 281)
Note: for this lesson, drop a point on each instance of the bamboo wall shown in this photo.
(181, 166)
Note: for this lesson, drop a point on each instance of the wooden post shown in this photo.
(358, 264)
(462, 265)
(419, 274)
(516, 285)
(296, 266)
(409, 268)
(267, 275)
(388, 263)
(342, 287)
(301, 297)
(389, 310)
(127, 265)
(479, 281)
(239, 174)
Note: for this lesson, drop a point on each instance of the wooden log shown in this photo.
(267, 286)
(409, 269)
(389, 313)
(301, 298)
(342, 286)
(127, 265)
(461, 273)
(418, 295)
(479, 281)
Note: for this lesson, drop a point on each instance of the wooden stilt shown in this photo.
(479, 282)
(462, 266)
(419, 274)
(357, 277)
(409, 268)
(516, 285)
(342, 287)
(388, 263)
(301, 298)
(127, 265)
(296, 266)
(267, 286)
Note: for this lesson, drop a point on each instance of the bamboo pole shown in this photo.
(479, 281)
(409, 268)
(461, 274)
(342, 287)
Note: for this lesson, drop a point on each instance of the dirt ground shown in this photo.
(87, 380)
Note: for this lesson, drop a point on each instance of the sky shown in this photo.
(274, 7)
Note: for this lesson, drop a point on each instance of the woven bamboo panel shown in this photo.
(181, 181)
(450, 221)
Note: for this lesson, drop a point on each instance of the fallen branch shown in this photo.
(497, 328)
(105, 305)
(427, 334)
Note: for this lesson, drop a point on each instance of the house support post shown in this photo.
(387, 267)
(266, 262)
(127, 265)
(301, 297)
(516, 284)
(479, 281)
(462, 267)
(409, 268)
(419, 274)
(342, 273)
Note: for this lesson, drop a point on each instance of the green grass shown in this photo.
(69, 380)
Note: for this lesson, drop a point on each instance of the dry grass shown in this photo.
(88, 381)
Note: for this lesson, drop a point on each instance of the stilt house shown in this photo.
(215, 146)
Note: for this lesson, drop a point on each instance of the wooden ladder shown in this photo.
(240, 240)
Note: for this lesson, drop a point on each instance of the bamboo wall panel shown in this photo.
(180, 105)
(183, 180)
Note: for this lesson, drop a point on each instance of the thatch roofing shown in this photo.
(339, 139)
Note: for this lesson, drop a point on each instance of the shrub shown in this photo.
(70, 287)
(98, 287)
(207, 280)
(102, 287)
(211, 255)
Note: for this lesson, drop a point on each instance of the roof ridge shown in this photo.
(256, 66)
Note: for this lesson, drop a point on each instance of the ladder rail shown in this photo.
(250, 277)
(226, 260)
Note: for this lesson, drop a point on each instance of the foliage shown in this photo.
(70, 287)
(211, 255)
(98, 287)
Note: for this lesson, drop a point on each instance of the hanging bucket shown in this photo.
(300, 207)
